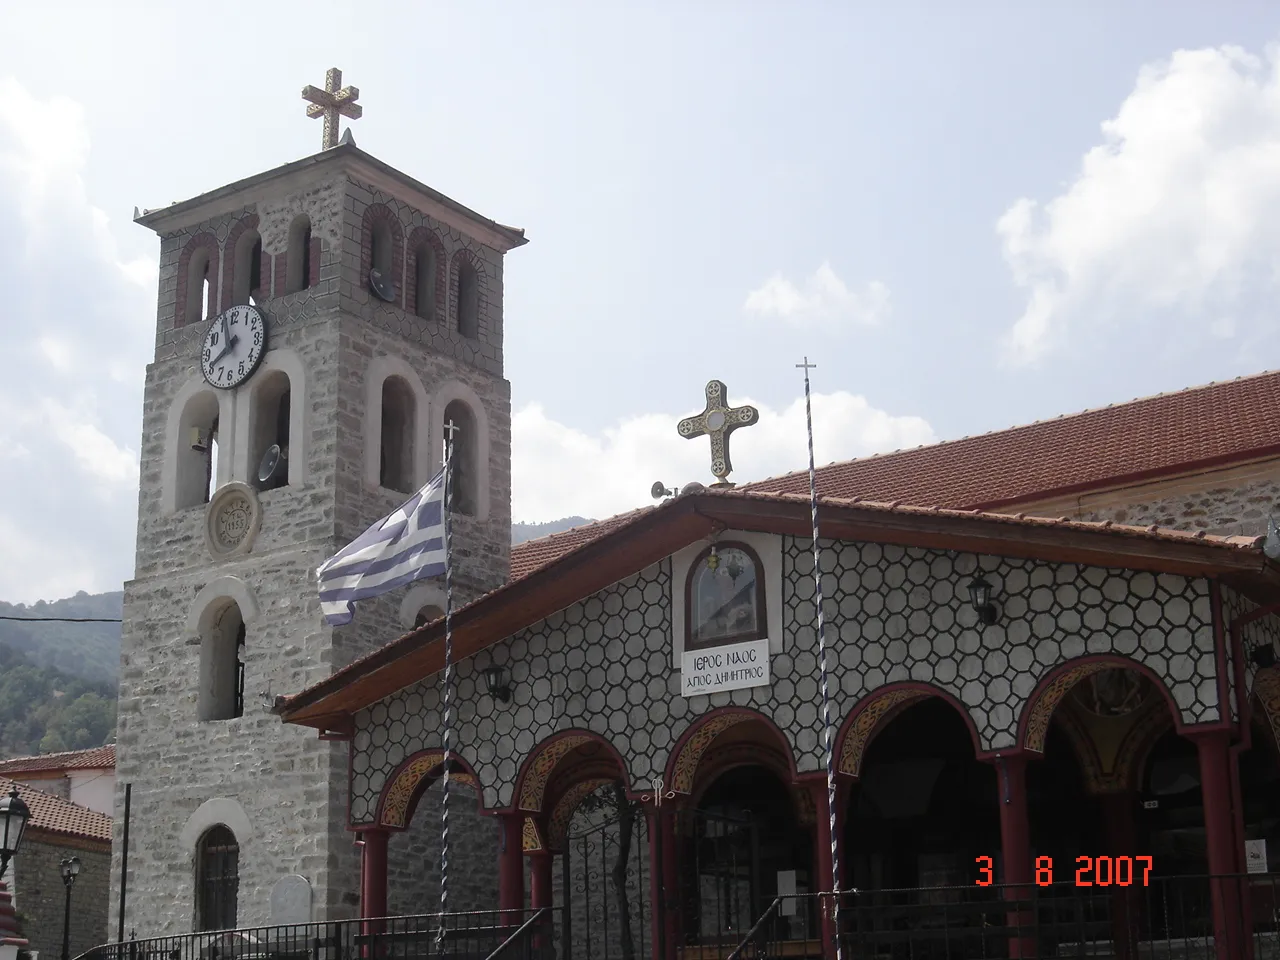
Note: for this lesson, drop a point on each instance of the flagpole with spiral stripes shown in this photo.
(822, 667)
(447, 720)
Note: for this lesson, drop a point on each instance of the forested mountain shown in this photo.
(58, 679)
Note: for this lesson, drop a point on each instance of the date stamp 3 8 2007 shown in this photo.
(1090, 871)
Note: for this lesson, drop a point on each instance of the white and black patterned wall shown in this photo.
(894, 613)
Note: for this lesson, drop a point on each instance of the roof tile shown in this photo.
(60, 816)
(95, 758)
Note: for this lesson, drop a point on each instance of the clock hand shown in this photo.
(230, 345)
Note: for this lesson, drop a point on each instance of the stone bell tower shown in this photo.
(318, 324)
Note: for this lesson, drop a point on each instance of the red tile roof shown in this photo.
(55, 815)
(95, 758)
(1164, 435)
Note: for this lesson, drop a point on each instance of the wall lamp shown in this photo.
(980, 599)
(497, 682)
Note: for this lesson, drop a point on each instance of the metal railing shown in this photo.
(1176, 918)
(473, 935)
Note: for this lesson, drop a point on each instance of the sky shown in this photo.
(969, 216)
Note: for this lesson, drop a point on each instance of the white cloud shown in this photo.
(69, 401)
(558, 471)
(1174, 219)
(824, 298)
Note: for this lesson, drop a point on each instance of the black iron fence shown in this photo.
(480, 935)
(1160, 919)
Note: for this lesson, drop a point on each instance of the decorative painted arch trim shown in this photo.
(224, 588)
(1033, 725)
(419, 238)
(406, 783)
(375, 213)
(209, 243)
(695, 741)
(870, 714)
(563, 810)
(1266, 691)
(531, 837)
(211, 813)
(535, 775)
(425, 462)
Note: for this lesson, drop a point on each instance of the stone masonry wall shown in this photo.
(290, 787)
(40, 896)
(604, 664)
(413, 856)
(1227, 510)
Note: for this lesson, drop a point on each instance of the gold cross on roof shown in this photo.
(717, 421)
(331, 103)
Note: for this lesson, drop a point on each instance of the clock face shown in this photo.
(233, 346)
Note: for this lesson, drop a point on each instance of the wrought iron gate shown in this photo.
(720, 893)
(604, 891)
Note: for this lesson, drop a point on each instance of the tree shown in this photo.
(623, 812)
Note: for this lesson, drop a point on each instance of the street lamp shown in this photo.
(69, 870)
(14, 815)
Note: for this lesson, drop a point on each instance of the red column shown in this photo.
(540, 879)
(511, 862)
(1121, 830)
(821, 881)
(664, 879)
(1015, 843)
(1219, 827)
(373, 873)
(1237, 841)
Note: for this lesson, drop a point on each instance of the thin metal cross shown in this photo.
(806, 366)
(717, 421)
(332, 102)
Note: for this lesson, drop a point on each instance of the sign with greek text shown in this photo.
(734, 667)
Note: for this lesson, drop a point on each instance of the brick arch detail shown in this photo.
(1033, 725)
(249, 222)
(411, 778)
(425, 236)
(682, 765)
(460, 256)
(873, 712)
(535, 775)
(209, 242)
(372, 214)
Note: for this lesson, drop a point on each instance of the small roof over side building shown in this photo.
(59, 818)
(58, 764)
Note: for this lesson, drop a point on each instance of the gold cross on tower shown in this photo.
(717, 421)
(332, 102)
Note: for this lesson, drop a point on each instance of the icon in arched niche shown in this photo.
(1115, 692)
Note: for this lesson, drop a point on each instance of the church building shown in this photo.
(1044, 644)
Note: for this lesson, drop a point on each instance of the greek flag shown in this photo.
(405, 546)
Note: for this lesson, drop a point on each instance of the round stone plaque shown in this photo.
(232, 520)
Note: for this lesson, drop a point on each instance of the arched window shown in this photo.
(199, 289)
(395, 469)
(424, 281)
(380, 247)
(196, 474)
(297, 269)
(222, 641)
(468, 300)
(464, 474)
(426, 615)
(270, 417)
(217, 879)
(246, 272)
(724, 597)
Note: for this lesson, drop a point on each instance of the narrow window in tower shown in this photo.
(218, 879)
(246, 275)
(468, 300)
(395, 468)
(297, 269)
(427, 615)
(424, 282)
(197, 305)
(220, 695)
(464, 464)
(269, 414)
(211, 462)
(380, 248)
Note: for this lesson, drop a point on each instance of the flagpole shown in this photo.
(822, 667)
(449, 429)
